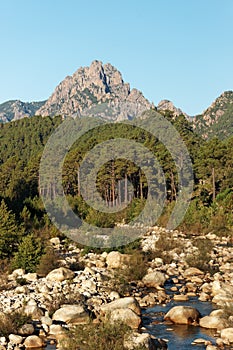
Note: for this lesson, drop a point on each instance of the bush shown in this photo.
(202, 257)
(12, 322)
(48, 261)
(103, 336)
(165, 245)
(134, 270)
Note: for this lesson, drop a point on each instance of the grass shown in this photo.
(102, 336)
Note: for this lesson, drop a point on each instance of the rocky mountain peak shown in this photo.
(91, 87)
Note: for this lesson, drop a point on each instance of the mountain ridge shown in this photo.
(99, 90)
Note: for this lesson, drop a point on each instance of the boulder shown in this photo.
(56, 329)
(192, 271)
(26, 329)
(116, 260)
(74, 314)
(122, 303)
(60, 274)
(213, 322)
(154, 279)
(15, 339)
(227, 334)
(182, 315)
(144, 340)
(126, 316)
(33, 341)
(31, 309)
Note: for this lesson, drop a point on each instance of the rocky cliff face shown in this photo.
(97, 90)
(216, 120)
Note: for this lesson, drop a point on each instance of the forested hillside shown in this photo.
(22, 144)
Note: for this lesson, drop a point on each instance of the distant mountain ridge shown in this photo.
(100, 90)
(16, 109)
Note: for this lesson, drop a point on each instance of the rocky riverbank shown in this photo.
(198, 267)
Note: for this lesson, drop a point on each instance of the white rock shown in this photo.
(74, 314)
(15, 339)
(60, 274)
(227, 334)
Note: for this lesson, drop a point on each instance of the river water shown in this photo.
(179, 337)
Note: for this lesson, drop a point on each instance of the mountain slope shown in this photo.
(217, 120)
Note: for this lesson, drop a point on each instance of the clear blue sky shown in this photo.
(181, 50)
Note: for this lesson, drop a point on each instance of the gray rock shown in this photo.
(26, 329)
(99, 86)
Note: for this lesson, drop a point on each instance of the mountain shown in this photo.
(15, 109)
(99, 90)
(166, 105)
(217, 120)
(95, 90)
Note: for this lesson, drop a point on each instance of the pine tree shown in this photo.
(10, 232)
(28, 255)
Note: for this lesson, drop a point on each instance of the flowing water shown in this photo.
(179, 337)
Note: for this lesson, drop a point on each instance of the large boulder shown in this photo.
(74, 314)
(60, 274)
(26, 329)
(126, 310)
(122, 303)
(213, 322)
(227, 334)
(182, 315)
(154, 279)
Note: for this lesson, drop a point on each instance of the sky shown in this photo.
(181, 50)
